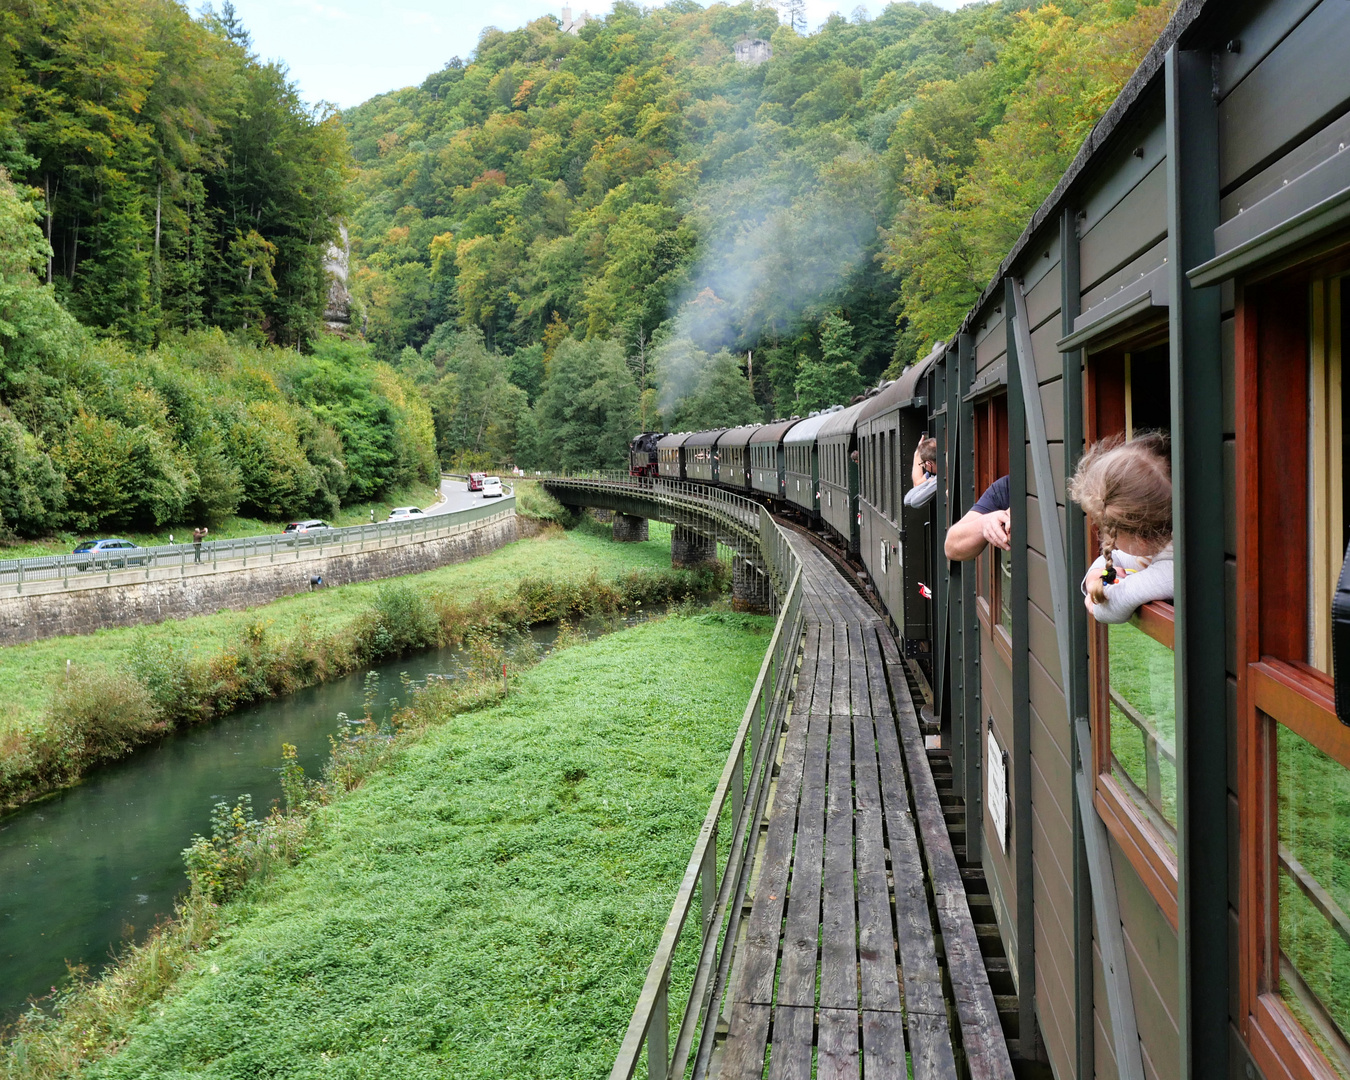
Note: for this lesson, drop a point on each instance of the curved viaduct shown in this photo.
(704, 518)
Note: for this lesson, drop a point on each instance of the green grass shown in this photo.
(1142, 671)
(28, 672)
(487, 906)
(231, 528)
(1314, 824)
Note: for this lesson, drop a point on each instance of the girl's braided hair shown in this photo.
(1125, 487)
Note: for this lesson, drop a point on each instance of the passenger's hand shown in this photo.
(1088, 603)
(997, 526)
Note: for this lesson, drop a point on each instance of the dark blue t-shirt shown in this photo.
(995, 497)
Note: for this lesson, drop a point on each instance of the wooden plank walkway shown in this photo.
(838, 975)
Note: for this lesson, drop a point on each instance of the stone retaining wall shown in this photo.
(128, 599)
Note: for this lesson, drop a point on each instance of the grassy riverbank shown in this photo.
(485, 905)
(127, 685)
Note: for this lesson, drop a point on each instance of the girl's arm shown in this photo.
(1132, 591)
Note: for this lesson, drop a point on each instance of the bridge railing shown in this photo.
(272, 548)
(738, 508)
(719, 891)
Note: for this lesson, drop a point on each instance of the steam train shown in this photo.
(1149, 805)
(844, 469)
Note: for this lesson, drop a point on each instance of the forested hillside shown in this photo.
(561, 241)
(166, 202)
(573, 236)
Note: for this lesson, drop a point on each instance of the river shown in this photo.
(100, 863)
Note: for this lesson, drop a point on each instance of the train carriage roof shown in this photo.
(739, 436)
(704, 438)
(774, 432)
(842, 422)
(805, 430)
(900, 394)
(674, 440)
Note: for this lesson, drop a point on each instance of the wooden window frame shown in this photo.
(991, 462)
(1274, 685)
(1139, 839)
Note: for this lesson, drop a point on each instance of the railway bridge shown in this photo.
(828, 922)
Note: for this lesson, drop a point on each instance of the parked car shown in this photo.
(403, 513)
(305, 526)
(110, 552)
(476, 481)
(492, 487)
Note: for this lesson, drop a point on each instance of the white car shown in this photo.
(492, 487)
(403, 513)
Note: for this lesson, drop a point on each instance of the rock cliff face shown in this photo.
(337, 313)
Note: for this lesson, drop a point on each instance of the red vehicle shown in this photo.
(476, 480)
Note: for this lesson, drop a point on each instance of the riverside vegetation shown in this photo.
(479, 892)
(131, 685)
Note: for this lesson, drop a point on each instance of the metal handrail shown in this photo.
(744, 511)
(21, 572)
(742, 795)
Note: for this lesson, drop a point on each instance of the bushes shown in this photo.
(402, 620)
(101, 713)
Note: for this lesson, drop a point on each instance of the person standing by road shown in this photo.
(198, 535)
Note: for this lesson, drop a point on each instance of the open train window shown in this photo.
(1293, 753)
(1133, 665)
(994, 576)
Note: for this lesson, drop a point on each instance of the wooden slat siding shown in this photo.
(1043, 294)
(747, 1039)
(1046, 357)
(981, 1031)
(1289, 94)
(1308, 154)
(1148, 260)
(1152, 954)
(759, 954)
(1127, 229)
(793, 1043)
(838, 921)
(930, 1038)
(801, 934)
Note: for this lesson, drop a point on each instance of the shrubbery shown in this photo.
(99, 713)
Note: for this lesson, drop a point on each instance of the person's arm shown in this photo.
(1127, 595)
(966, 539)
(918, 474)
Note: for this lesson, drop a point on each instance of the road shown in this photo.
(457, 497)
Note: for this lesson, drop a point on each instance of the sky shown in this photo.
(346, 51)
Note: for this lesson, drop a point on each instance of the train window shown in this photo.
(994, 577)
(1294, 754)
(1133, 664)
(892, 481)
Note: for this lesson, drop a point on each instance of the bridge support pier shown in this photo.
(750, 589)
(689, 548)
(628, 528)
